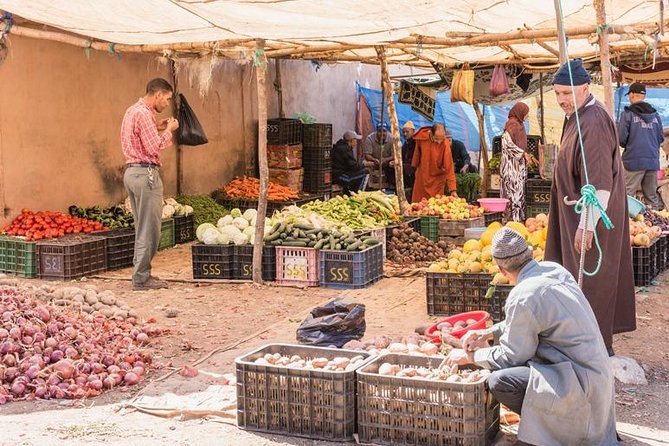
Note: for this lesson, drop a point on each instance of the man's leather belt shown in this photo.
(143, 165)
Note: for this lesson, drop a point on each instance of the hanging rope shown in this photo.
(9, 22)
(588, 198)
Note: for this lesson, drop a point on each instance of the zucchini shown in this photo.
(272, 236)
(275, 227)
(295, 244)
(319, 244)
(354, 246)
(338, 247)
(276, 242)
(296, 233)
(372, 242)
(303, 226)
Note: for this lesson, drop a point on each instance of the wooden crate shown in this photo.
(292, 178)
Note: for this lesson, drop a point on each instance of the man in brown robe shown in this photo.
(611, 291)
(434, 164)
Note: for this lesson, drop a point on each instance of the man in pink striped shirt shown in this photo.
(143, 139)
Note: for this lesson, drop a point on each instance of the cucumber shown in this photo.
(372, 242)
(289, 228)
(296, 233)
(303, 226)
(276, 242)
(296, 244)
(302, 234)
(311, 244)
(312, 237)
(275, 227)
(338, 247)
(272, 236)
(332, 240)
(354, 246)
(284, 235)
(319, 244)
(282, 226)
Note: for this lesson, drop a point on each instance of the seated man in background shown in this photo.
(551, 365)
(346, 170)
(461, 158)
(378, 152)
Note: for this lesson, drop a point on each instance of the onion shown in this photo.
(7, 316)
(51, 342)
(95, 384)
(81, 380)
(29, 330)
(4, 334)
(142, 338)
(43, 313)
(71, 353)
(56, 392)
(9, 360)
(109, 382)
(11, 373)
(52, 329)
(27, 340)
(40, 391)
(56, 356)
(116, 377)
(113, 369)
(15, 333)
(96, 367)
(32, 371)
(84, 368)
(53, 379)
(131, 378)
(18, 388)
(70, 332)
(124, 366)
(8, 347)
(39, 337)
(64, 369)
(139, 371)
(108, 360)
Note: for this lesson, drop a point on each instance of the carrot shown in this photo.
(249, 187)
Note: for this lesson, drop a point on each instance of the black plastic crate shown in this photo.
(538, 192)
(304, 403)
(414, 411)
(490, 193)
(452, 293)
(643, 264)
(491, 217)
(662, 252)
(242, 268)
(213, 262)
(351, 269)
(184, 229)
(71, 257)
(120, 247)
(317, 135)
(536, 209)
(18, 257)
(317, 164)
(284, 131)
(533, 142)
(498, 295)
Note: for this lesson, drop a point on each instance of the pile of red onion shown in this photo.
(47, 352)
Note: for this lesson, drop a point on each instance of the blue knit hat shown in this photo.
(578, 74)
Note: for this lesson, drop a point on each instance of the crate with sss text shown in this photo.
(351, 269)
(317, 404)
(284, 131)
(538, 192)
(243, 263)
(184, 229)
(71, 257)
(297, 266)
(212, 262)
(18, 257)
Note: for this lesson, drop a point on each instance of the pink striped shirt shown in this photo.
(140, 139)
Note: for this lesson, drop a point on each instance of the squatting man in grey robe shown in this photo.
(551, 365)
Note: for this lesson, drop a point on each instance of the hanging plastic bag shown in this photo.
(462, 88)
(190, 132)
(499, 84)
(335, 323)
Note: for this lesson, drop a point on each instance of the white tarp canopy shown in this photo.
(414, 31)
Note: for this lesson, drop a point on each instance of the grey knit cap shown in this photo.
(508, 243)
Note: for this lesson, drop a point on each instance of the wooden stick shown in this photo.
(179, 154)
(548, 48)
(541, 107)
(395, 129)
(278, 87)
(561, 32)
(313, 49)
(483, 147)
(261, 80)
(604, 56)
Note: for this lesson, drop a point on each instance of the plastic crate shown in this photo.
(536, 209)
(303, 403)
(456, 228)
(242, 265)
(643, 265)
(120, 247)
(18, 257)
(284, 156)
(429, 228)
(291, 178)
(71, 257)
(284, 131)
(184, 229)
(538, 192)
(654, 252)
(351, 269)
(317, 135)
(166, 234)
(491, 217)
(662, 252)
(297, 266)
(533, 142)
(452, 293)
(212, 262)
(492, 193)
(497, 301)
(412, 411)
(413, 222)
(317, 165)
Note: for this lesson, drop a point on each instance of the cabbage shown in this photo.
(187, 210)
(252, 238)
(250, 230)
(236, 213)
(210, 236)
(199, 232)
(240, 222)
(171, 201)
(223, 239)
(240, 239)
(225, 221)
(230, 230)
(250, 215)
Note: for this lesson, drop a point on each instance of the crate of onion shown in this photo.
(409, 400)
(297, 390)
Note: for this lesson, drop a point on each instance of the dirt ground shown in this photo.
(233, 319)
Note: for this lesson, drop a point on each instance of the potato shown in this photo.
(354, 345)
(381, 342)
(460, 324)
(429, 349)
(398, 348)
(319, 363)
(269, 358)
(410, 372)
(261, 361)
(471, 321)
(454, 379)
(341, 363)
(356, 359)
(387, 369)
(283, 361)
(436, 333)
(443, 325)
(412, 347)
(295, 358)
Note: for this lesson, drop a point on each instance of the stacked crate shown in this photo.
(284, 152)
(316, 157)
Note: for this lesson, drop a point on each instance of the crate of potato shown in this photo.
(297, 390)
(408, 400)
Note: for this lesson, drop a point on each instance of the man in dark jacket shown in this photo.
(461, 158)
(346, 170)
(640, 134)
(408, 148)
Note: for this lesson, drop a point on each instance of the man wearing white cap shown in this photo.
(408, 148)
(551, 365)
(346, 170)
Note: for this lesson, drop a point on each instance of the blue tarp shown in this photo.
(459, 117)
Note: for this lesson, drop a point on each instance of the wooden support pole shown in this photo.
(395, 129)
(261, 84)
(561, 32)
(604, 56)
(278, 88)
(483, 149)
(179, 154)
(541, 107)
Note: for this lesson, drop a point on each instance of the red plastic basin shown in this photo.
(479, 316)
(493, 204)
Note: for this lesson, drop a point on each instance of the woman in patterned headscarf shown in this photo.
(513, 165)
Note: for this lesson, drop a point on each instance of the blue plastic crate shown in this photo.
(351, 269)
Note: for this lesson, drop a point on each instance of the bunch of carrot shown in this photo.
(249, 187)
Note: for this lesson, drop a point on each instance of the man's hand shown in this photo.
(465, 168)
(475, 339)
(172, 124)
(579, 236)
(454, 194)
(162, 125)
(458, 356)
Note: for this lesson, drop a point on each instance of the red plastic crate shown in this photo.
(297, 266)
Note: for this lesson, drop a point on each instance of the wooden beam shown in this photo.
(179, 154)
(549, 48)
(395, 130)
(561, 33)
(313, 49)
(604, 56)
(278, 87)
(483, 148)
(261, 81)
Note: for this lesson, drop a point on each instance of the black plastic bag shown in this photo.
(335, 323)
(190, 132)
